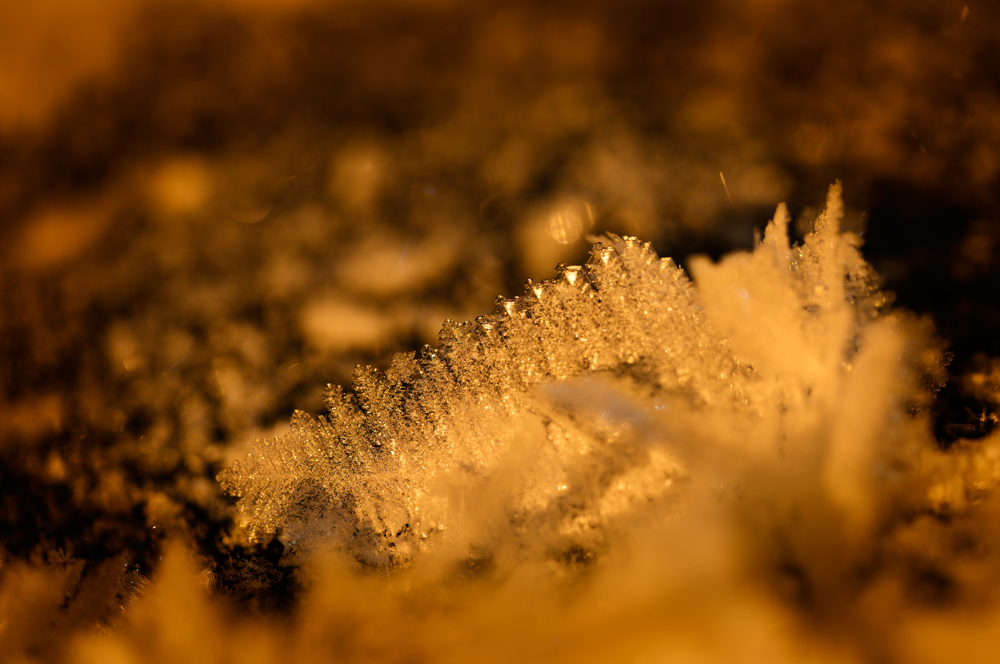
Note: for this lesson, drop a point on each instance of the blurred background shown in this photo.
(210, 210)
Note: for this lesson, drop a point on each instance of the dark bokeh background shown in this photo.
(208, 212)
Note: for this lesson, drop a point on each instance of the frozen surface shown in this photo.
(621, 389)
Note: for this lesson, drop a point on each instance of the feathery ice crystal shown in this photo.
(613, 392)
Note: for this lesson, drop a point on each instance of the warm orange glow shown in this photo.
(212, 213)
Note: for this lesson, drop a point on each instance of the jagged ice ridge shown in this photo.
(612, 391)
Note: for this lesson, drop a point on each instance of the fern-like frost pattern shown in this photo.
(598, 395)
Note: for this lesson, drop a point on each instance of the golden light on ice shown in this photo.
(424, 331)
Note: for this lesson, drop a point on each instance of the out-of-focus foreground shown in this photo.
(211, 210)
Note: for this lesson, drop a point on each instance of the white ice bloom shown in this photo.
(618, 390)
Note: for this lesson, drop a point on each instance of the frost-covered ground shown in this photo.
(210, 212)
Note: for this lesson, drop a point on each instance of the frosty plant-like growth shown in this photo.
(619, 390)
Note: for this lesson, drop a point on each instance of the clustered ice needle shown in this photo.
(614, 389)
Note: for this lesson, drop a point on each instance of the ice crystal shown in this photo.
(606, 391)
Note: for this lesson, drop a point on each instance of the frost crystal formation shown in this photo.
(607, 393)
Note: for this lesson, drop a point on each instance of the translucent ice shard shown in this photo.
(598, 394)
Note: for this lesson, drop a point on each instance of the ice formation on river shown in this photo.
(619, 390)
